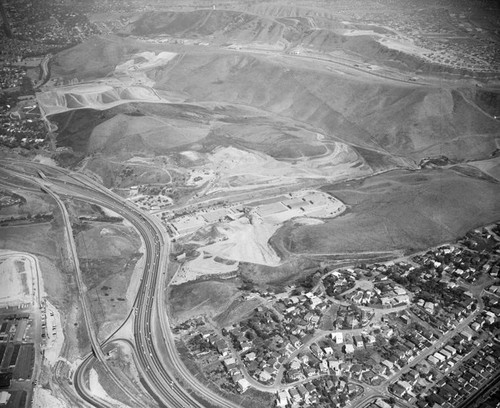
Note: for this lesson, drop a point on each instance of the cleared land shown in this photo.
(17, 279)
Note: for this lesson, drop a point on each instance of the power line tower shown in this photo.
(6, 24)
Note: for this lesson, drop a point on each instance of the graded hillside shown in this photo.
(93, 96)
(400, 119)
(398, 210)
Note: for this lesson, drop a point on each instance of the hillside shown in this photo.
(398, 210)
(92, 59)
(405, 120)
(285, 26)
(220, 25)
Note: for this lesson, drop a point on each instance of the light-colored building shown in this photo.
(4, 397)
(243, 385)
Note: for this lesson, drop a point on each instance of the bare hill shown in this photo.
(221, 25)
(284, 26)
(92, 59)
(411, 121)
(398, 210)
(155, 129)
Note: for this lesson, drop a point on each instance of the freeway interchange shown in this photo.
(162, 372)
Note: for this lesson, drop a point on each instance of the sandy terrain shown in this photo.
(246, 239)
(406, 47)
(202, 266)
(94, 95)
(97, 389)
(239, 169)
(43, 398)
(135, 68)
(309, 221)
(17, 279)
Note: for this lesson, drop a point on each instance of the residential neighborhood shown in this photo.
(422, 331)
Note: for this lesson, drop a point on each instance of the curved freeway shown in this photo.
(148, 306)
(96, 348)
(157, 370)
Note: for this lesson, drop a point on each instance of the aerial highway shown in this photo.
(71, 247)
(163, 373)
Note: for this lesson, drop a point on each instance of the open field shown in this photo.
(398, 210)
(108, 254)
(201, 298)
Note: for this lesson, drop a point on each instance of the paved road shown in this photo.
(159, 377)
(151, 325)
(87, 314)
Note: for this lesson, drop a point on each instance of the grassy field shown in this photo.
(399, 210)
(201, 297)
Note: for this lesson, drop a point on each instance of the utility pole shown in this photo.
(6, 24)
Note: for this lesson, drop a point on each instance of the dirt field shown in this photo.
(17, 280)
(399, 210)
